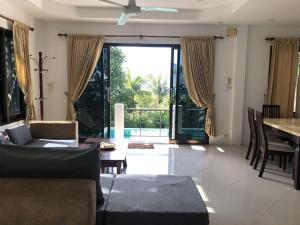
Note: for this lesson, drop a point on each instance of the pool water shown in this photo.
(129, 132)
(186, 133)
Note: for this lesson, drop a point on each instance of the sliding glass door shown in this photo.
(187, 121)
(93, 107)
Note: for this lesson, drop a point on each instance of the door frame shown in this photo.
(172, 47)
(177, 139)
(109, 45)
(105, 93)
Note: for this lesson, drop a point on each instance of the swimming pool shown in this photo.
(150, 132)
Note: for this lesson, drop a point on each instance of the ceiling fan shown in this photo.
(132, 9)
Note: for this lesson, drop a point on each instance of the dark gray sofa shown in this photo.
(152, 199)
(49, 134)
(128, 199)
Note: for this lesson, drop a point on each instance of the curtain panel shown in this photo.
(198, 66)
(22, 61)
(282, 78)
(83, 55)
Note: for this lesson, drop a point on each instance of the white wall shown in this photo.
(12, 12)
(56, 78)
(258, 66)
(244, 59)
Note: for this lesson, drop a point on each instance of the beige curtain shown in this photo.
(282, 78)
(198, 67)
(83, 55)
(22, 61)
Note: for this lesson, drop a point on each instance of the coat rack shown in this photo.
(40, 62)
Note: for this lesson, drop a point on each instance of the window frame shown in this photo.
(5, 118)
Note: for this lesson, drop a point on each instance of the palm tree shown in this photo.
(133, 85)
(158, 86)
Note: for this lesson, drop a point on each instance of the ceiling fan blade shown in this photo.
(123, 19)
(160, 9)
(112, 2)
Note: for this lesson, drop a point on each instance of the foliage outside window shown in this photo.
(12, 106)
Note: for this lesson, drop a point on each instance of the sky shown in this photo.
(142, 61)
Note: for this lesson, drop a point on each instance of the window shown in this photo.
(12, 105)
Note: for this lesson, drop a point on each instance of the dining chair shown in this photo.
(271, 111)
(253, 142)
(266, 148)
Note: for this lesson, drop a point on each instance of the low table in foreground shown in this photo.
(115, 158)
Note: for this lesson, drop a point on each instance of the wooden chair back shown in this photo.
(271, 111)
(262, 138)
(251, 120)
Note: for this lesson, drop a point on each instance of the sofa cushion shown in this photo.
(106, 181)
(49, 143)
(159, 200)
(19, 135)
(3, 138)
(39, 162)
(33, 201)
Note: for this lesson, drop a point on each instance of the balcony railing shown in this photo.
(147, 122)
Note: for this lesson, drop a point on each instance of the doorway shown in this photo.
(148, 80)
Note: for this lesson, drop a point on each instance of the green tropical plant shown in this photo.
(158, 87)
(134, 86)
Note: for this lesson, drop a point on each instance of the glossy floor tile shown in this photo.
(231, 189)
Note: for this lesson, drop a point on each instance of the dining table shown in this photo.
(289, 128)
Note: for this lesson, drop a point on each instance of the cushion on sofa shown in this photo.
(3, 138)
(34, 201)
(40, 162)
(19, 135)
(49, 143)
(106, 181)
(159, 200)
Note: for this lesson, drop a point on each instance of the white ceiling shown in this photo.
(185, 4)
(271, 12)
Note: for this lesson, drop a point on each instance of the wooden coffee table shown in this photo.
(113, 158)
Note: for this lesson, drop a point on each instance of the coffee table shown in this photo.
(113, 158)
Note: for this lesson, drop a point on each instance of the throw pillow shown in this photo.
(3, 139)
(19, 135)
(18, 161)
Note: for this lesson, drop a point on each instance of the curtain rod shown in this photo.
(272, 38)
(139, 36)
(11, 20)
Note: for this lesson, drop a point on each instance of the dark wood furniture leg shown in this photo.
(255, 149)
(297, 168)
(263, 165)
(102, 169)
(119, 164)
(125, 163)
(284, 163)
(249, 148)
(257, 160)
(280, 161)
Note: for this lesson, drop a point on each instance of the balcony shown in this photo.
(140, 122)
(147, 123)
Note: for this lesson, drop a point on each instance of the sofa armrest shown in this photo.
(54, 130)
(47, 201)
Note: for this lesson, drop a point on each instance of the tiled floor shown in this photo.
(231, 189)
